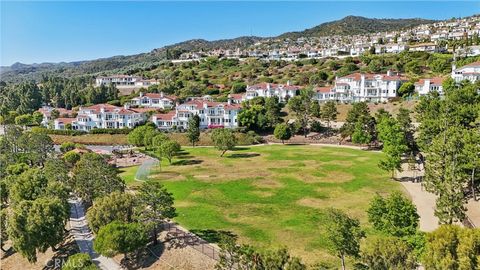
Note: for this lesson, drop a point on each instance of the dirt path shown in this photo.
(425, 203)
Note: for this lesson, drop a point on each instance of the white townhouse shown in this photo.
(62, 122)
(154, 100)
(123, 81)
(118, 80)
(282, 91)
(425, 86)
(362, 87)
(469, 72)
(212, 115)
(107, 116)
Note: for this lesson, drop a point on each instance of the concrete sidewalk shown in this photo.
(84, 237)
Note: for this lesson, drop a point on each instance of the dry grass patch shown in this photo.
(327, 177)
(267, 183)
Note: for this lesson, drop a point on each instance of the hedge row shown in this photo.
(110, 131)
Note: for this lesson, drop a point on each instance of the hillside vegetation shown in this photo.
(356, 25)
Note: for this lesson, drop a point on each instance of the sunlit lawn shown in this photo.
(128, 174)
(272, 196)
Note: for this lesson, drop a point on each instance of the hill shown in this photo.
(132, 63)
(356, 25)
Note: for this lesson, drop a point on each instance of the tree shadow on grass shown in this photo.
(240, 148)
(213, 236)
(186, 162)
(243, 155)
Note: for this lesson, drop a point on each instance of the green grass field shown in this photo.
(128, 174)
(273, 196)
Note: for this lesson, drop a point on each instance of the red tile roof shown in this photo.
(325, 89)
(434, 81)
(165, 116)
(65, 120)
(474, 64)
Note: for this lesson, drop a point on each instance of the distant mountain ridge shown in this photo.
(350, 25)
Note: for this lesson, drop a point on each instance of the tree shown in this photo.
(24, 120)
(405, 123)
(452, 247)
(156, 205)
(116, 206)
(36, 146)
(67, 146)
(137, 136)
(34, 226)
(238, 87)
(29, 185)
(79, 261)
(55, 169)
(169, 149)
(301, 107)
(391, 134)
(3, 227)
(193, 130)
(395, 215)
(388, 253)
(315, 109)
(72, 157)
(358, 110)
(224, 140)
(406, 89)
(272, 111)
(364, 131)
(329, 112)
(117, 237)
(343, 234)
(148, 136)
(94, 177)
(282, 132)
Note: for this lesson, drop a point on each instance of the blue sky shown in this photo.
(35, 32)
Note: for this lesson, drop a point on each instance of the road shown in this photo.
(84, 237)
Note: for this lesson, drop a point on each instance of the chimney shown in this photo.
(141, 94)
(161, 94)
(288, 83)
(229, 101)
(126, 106)
(268, 86)
(389, 73)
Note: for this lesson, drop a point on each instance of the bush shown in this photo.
(67, 146)
(110, 131)
(59, 132)
(71, 157)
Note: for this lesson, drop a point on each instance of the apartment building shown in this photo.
(122, 81)
(469, 72)
(428, 85)
(282, 91)
(154, 100)
(212, 115)
(362, 87)
(107, 116)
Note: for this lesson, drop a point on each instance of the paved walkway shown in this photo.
(425, 203)
(84, 237)
(473, 212)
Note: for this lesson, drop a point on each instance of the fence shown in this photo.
(174, 233)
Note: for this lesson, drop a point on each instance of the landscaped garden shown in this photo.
(273, 196)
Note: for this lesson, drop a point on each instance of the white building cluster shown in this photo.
(124, 81)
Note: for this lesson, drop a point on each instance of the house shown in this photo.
(212, 115)
(367, 87)
(154, 100)
(118, 80)
(237, 98)
(469, 72)
(107, 116)
(61, 123)
(425, 47)
(283, 92)
(123, 81)
(323, 94)
(425, 86)
(49, 114)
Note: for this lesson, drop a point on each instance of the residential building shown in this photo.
(425, 86)
(154, 100)
(469, 72)
(212, 115)
(282, 91)
(118, 80)
(107, 116)
(367, 87)
(61, 123)
(47, 112)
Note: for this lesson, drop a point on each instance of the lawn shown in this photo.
(128, 174)
(273, 196)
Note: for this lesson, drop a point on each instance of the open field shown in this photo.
(273, 196)
(128, 174)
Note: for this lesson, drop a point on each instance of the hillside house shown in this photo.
(425, 86)
(107, 116)
(469, 72)
(154, 100)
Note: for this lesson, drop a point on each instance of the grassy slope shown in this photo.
(274, 195)
(128, 174)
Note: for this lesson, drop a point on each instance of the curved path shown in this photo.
(84, 237)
